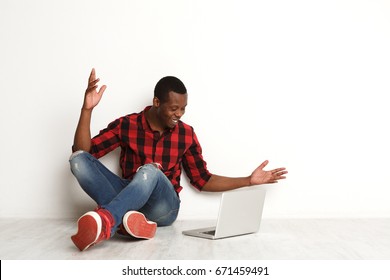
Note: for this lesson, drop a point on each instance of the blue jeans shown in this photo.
(149, 192)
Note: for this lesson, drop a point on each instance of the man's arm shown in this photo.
(221, 183)
(82, 138)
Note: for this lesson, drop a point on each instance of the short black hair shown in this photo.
(167, 84)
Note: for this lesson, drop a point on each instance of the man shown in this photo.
(154, 144)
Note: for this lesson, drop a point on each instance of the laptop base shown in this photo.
(208, 232)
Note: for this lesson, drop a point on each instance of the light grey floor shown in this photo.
(278, 239)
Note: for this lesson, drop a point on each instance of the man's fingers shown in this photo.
(280, 173)
(92, 75)
(264, 164)
(93, 82)
(91, 88)
(102, 89)
(278, 177)
(279, 170)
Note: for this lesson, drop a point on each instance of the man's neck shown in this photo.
(152, 119)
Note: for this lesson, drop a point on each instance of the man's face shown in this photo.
(172, 110)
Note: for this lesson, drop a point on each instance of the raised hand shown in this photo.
(92, 96)
(260, 176)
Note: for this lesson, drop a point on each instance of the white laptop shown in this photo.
(240, 213)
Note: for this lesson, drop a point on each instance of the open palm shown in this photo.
(260, 176)
(92, 96)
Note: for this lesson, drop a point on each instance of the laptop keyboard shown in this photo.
(211, 232)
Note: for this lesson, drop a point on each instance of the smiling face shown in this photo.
(170, 111)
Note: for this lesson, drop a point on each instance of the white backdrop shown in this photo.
(300, 83)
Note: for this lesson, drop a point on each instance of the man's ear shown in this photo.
(156, 102)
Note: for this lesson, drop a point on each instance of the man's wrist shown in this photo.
(83, 109)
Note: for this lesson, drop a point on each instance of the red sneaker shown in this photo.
(93, 227)
(138, 226)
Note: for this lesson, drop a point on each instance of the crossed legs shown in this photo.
(138, 205)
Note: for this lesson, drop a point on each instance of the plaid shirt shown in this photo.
(140, 145)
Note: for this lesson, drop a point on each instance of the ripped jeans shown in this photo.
(149, 192)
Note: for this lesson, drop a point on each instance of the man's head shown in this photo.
(166, 85)
(170, 100)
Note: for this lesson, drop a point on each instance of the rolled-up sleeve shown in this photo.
(107, 140)
(195, 166)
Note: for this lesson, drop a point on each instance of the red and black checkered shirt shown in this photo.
(140, 145)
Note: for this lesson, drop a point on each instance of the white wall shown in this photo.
(301, 83)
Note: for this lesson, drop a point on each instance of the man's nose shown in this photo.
(179, 114)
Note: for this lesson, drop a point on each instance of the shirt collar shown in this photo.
(145, 124)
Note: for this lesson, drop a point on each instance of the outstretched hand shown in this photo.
(260, 176)
(92, 96)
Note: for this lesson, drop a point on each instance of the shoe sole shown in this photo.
(89, 227)
(138, 226)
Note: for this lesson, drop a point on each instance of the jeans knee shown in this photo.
(77, 154)
(76, 160)
(148, 172)
(150, 166)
